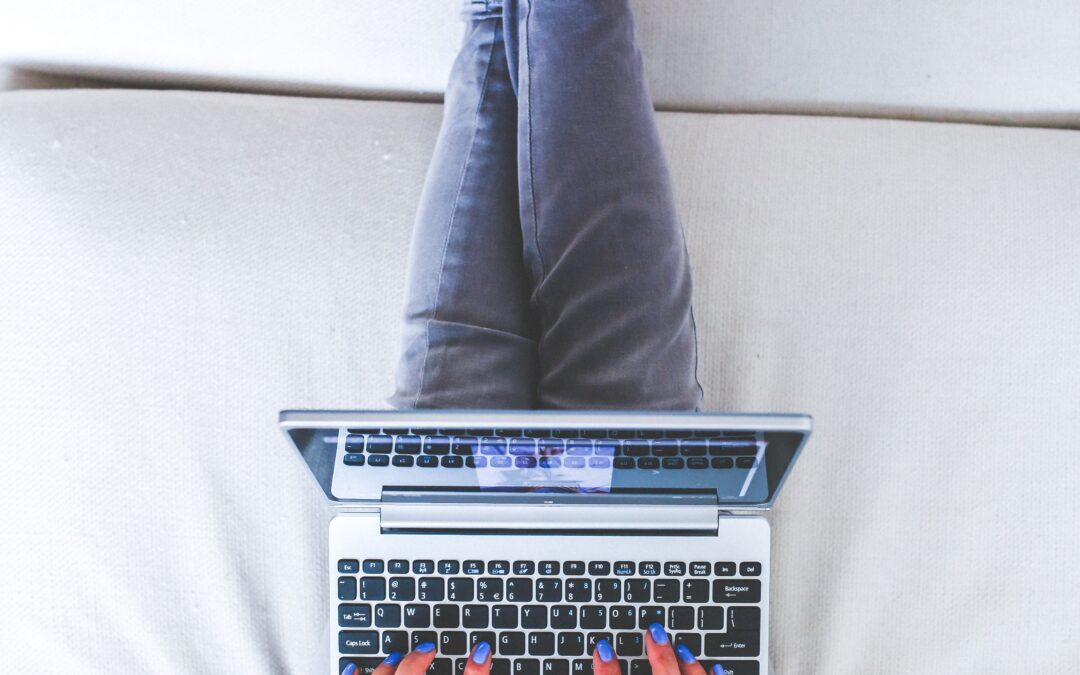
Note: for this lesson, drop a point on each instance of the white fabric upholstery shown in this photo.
(176, 267)
(979, 60)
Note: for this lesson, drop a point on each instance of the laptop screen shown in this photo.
(741, 460)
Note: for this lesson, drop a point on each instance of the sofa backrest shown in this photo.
(994, 61)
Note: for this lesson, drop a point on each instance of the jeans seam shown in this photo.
(531, 167)
(453, 218)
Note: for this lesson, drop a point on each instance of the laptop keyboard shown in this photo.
(549, 448)
(544, 617)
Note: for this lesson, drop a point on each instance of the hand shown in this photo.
(663, 659)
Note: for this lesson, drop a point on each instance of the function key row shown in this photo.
(596, 434)
(502, 462)
(382, 444)
(623, 568)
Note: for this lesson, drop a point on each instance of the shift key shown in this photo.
(358, 642)
(729, 591)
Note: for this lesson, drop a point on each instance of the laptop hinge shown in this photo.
(451, 512)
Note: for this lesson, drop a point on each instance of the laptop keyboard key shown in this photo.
(680, 618)
(372, 566)
(744, 618)
(579, 590)
(358, 642)
(431, 589)
(417, 616)
(666, 591)
(453, 643)
(504, 616)
(373, 589)
(449, 567)
(571, 643)
(592, 638)
(648, 463)
(609, 590)
(742, 591)
(460, 589)
(475, 616)
(574, 568)
(489, 590)
(419, 637)
(649, 569)
(441, 667)
(354, 616)
(629, 644)
(564, 616)
(395, 641)
(622, 617)
(451, 462)
(446, 616)
(346, 588)
(724, 569)
(710, 618)
(519, 590)
(511, 643)
(427, 461)
(501, 666)
(398, 566)
(534, 616)
(549, 567)
(379, 460)
(695, 591)
(691, 641)
(593, 617)
(402, 589)
(524, 567)
(479, 636)
(625, 568)
(387, 616)
(473, 567)
(549, 590)
(733, 643)
(599, 568)
(541, 644)
(750, 569)
(423, 567)
(365, 665)
(650, 614)
(526, 667)
(556, 667)
(637, 590)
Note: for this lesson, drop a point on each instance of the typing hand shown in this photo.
(663, 659)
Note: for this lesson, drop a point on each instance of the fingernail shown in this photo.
(349, 669)
(393, 659)
(659, 635)
(425, 647)
(480, 653)
(685, 655)
(718, 670)
(603, 648)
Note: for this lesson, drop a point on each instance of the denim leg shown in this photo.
(469, 335)
(604, 246)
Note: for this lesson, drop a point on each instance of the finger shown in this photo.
(661, 655)
(416, 661)
(719, 669)
(688, 663)
(604, 660)
(480, 660)
(387, 667)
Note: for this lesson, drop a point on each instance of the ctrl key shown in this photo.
(358, 642)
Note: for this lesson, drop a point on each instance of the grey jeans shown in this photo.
(548, 267)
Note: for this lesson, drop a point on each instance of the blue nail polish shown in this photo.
(603, 648)
(685, 655)
(349, 669)
(393, 659)
(718, 670)
(425, 647)
(659, 635)
(480, 653)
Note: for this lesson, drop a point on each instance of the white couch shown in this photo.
(178, 266)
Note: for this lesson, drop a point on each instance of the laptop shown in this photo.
(543, 532)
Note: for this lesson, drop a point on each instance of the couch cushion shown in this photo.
(177, 267)
(996, 61)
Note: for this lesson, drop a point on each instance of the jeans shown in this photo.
(548, 267)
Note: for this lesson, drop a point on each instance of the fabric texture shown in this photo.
(548, 205)
(178, 267)
(996, 61)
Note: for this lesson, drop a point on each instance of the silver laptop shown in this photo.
(543, 532)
